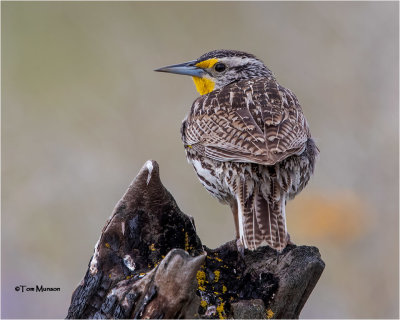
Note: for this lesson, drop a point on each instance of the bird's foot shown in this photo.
(240, 247)
(278, 254)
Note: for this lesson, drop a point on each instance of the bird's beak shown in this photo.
(187, 68)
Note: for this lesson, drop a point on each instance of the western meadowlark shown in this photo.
(248, 141)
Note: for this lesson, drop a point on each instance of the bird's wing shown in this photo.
(249, 121)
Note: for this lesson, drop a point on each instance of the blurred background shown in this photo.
(82, 110)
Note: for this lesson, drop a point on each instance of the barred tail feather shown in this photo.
(250, 234)
(261, 220)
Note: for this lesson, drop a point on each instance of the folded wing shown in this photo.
(262, 124)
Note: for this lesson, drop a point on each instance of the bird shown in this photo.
(248, 141)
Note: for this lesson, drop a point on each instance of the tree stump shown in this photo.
(150, 263)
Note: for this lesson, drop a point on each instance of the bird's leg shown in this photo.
(239, 244)
(277, 256)
(234, 208)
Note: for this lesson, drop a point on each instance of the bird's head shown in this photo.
(219, 68)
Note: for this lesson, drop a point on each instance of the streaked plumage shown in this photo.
(249, 144)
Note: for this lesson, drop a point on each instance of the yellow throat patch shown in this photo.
(204, 85)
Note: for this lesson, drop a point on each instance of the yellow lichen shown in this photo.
(187, 246)
(217, 274)
(203, 303)
(224, 289)
(269, 314)
(215, 257)
(152, 247)
(201, 279)
(107, 245)
(186, 241)
(156, 263)
(221, 311)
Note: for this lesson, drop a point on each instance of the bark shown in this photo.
(150, 263)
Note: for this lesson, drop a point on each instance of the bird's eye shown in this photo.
(219, 67)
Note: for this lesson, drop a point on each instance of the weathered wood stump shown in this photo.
(150, 263)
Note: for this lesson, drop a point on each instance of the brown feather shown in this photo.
(251, 147)
(248, 128)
